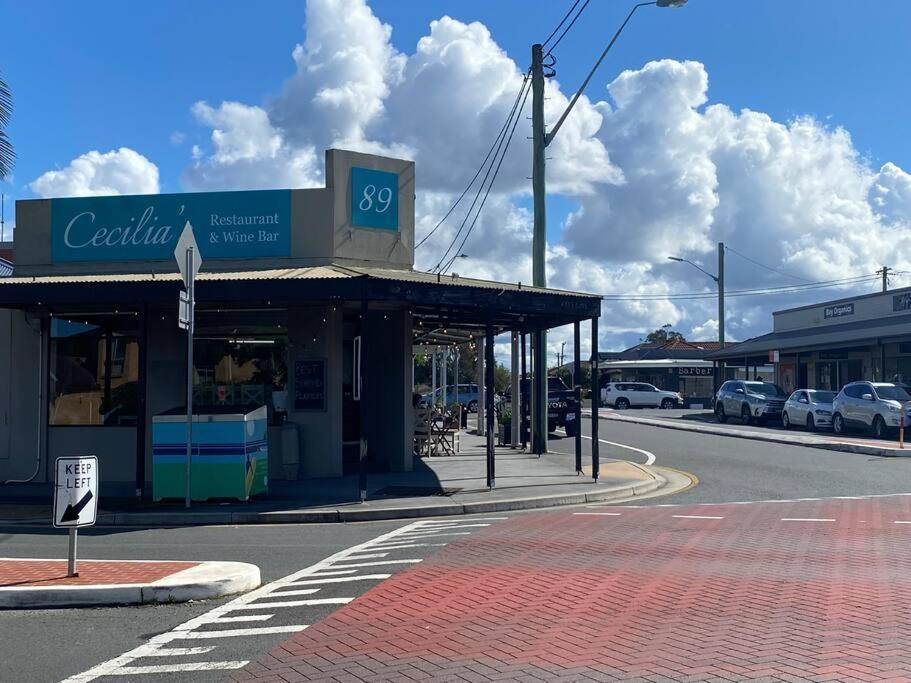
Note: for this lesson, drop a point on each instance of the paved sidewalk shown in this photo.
(789, 591)
(30, 583)
(451, 485)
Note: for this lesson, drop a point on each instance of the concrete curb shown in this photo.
(205, 581)
(365, 513)
(771, 437)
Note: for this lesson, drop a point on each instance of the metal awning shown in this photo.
(664, 363)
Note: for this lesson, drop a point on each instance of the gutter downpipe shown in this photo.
(41, 384)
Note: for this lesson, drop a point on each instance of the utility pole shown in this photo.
(885, 273)
(539, 245)
(720, 281)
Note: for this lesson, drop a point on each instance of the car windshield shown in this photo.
(822, 396)
(764, 388)
(893, 393)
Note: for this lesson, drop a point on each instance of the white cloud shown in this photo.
(121, 171)
(177, 137)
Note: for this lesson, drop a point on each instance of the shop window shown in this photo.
(93, 378)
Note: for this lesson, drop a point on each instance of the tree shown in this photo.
(7, 155)
(663, 335)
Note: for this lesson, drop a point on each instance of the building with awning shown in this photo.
(307, 304)
(827, 345)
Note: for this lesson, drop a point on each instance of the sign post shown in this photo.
(75, 498)
(188, 258)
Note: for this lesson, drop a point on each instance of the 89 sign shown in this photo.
(374, 199)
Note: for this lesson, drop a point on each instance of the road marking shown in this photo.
(370, 556)
(174, 651)
(696, 517)
(606, 514)
(473, 519)
(806, 519)
(243, 617)
(295, 603)
(379, 562)
(237, 632)
(902, 521)
(173, 668)
(430, 534)
(334, 573)
(302, 591)
(342, 579)
(447, 526)
(408, 545)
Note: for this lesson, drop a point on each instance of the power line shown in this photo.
(762, 265)
(566, 30)
(495, 173)
(742, 292)
(477, 173)
(562, 21)
(523, 90)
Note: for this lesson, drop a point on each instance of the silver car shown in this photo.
(751, 401)
(810, 408)
(876, 406)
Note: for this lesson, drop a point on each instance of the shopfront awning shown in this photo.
(440, 302)
(859, 333)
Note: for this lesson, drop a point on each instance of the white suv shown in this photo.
(623, 395)
(876, 406)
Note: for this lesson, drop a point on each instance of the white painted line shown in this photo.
(649, 456)
(902, 521)
(449, 526)
(607, 514)
(401, 546)
(431, 534)
(472, 519)
(369, 556)
(235, 632)
(302, 591)
(379, 562)
(806, 519)
(341, 579)
(173, 668)
(695, 517)
(243, 617)
(174, 651)
(315, 574)
(295, 603)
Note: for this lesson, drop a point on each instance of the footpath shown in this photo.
(35, 583)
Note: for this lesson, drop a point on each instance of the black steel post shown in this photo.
(523, 400)
(365, 401)
(596, 465)
(488, 397)
(141, 390)
(577, 387)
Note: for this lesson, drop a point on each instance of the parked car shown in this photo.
(623, 395)
(811, 408)
(876, 406)
(467, 395)
(751, 401)
(561, 405)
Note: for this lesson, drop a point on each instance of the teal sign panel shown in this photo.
(227, 225)
(374, 199)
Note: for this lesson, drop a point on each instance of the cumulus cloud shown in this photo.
(121, 171)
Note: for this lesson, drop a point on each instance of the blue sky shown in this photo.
(100, 75)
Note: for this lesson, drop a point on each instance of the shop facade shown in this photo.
(307, 305)
(827, 345)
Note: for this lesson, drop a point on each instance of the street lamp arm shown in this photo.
(697, 267)
(550, 136)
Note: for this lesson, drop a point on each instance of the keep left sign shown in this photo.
(76, 486)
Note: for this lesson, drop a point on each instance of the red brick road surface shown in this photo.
(763, 593)
(24, 573)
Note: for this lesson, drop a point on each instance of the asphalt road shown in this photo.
(71, 641)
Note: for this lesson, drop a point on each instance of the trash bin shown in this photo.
(230, 453)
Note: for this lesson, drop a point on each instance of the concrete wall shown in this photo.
(870, 307)
(390, 419)
(114, 446)
(320, 432)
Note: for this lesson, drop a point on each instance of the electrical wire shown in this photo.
(478, 172)
(787, 289)
(562, 21)
(566, 30)
(495, 173)
(762, 265)
(523, 90)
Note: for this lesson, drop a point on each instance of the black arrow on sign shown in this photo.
(72, 511)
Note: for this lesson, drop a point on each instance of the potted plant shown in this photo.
(504, 419)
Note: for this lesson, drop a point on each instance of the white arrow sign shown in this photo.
(187, 241)
(76, 497)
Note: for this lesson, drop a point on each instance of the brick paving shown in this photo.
(643, 596)
(23, 573)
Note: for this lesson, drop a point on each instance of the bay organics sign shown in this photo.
(146, 227)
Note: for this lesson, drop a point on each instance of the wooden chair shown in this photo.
(447, 438)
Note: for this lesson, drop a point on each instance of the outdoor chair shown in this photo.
(422, 431)
(447, 438)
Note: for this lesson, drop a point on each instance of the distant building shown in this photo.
(6, 259)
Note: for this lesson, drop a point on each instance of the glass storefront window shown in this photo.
(94, 371)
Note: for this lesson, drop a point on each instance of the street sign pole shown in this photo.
(75, 499)
(191, 305)
(71, 559)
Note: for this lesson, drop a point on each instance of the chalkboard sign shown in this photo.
(310, 385)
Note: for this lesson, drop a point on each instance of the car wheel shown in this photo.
(879, 427)
(667, 404)
(472, 406)
(745, 415)
(785, 421)
(838, 424)
(719, 413)
(621, 404)
(811, 424)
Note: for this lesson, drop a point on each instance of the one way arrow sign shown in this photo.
(76, 497)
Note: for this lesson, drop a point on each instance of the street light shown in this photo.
(719, 280)
(541, 140)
